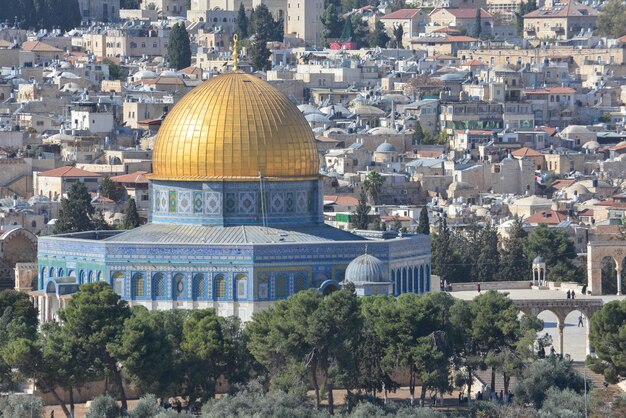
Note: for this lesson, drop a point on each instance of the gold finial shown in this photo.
(235, 54)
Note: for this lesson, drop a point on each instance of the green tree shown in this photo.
(418, 136)
(55, 359)
(514, 264)
(147, 352)
(608, 338)
(76, 211)
(495, 326)
(94, 317)
(542, 375)
(557, 249)
(179, 47)
(478, 25)
(562, 403)
(379, 37)
(446, 261)
(147, 407)
(612, 19)
(398, 33)
(260, 55)
(361, 215)
(263, 25)
(375, 368)
(18, 319)
(466, 358)
(111, 189)
(331, 23)
(21, 406)
(103, 406)
(423, 227)
(360, 30)
(116, 71)
(242, 22)
(373, 184)
(129, 4)
(524, 8)
(132, 216)
(488, 265)
(606, 116)
(334, 333)
(202, 347)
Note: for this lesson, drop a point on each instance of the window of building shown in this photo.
(263, 286)
(179, 285)
(200, 287)
(299, 282)
(241, 281)
(139, 285)
(158, 285)
(220, 286)
(118, 283)
(282, 287)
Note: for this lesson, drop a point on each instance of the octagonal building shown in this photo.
(236, 216)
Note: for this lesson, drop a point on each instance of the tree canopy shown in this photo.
(42, 14)
(76, 211)
(179, 47)
(612, 19)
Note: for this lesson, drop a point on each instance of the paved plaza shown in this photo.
(574, 336)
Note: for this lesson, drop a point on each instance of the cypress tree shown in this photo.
(424, 226)
(132, 216)
(362, 211)
(242, 22)
(478, 24)
(398, 33)
(76, 211)
(179, 47)
(379, 37)
(260, 55)
(331, 23)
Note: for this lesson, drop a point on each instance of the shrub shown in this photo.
(103, 406)
(21, 406)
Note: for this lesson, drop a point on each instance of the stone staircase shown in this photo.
(593, 379)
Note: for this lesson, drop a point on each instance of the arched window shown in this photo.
(299, 283)
(179, 286)
(158, 286)
(241, 281)
(99, 276)
(71, 273)
(52, 272)
(81, 277)
(118, 282)
(61, 273)
(282, 286)
(139, 286)
(220, 286)
(263, 290)
(200, 287)
(90, 277)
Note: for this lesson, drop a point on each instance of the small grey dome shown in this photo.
(365, 268)
(386, 147)
(538, 259)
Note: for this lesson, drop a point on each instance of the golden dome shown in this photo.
(231, 128)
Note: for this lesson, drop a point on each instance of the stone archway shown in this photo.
(596, 252)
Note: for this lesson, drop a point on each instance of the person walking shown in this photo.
(478, 287)
(580, 321)
(573, 294)
(569, 294)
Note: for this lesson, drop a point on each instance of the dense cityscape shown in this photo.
(308, 208)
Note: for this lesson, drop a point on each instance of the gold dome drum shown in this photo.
(234, 127)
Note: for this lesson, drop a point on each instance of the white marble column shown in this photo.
(619, 280)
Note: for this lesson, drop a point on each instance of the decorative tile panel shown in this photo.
(277, 204)
(184, 202)
(247, 203)
(212, 203)
(198, 202)
(290, 203)
(173, 201)
(230, 203)
(301, 202)
(163, 199)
